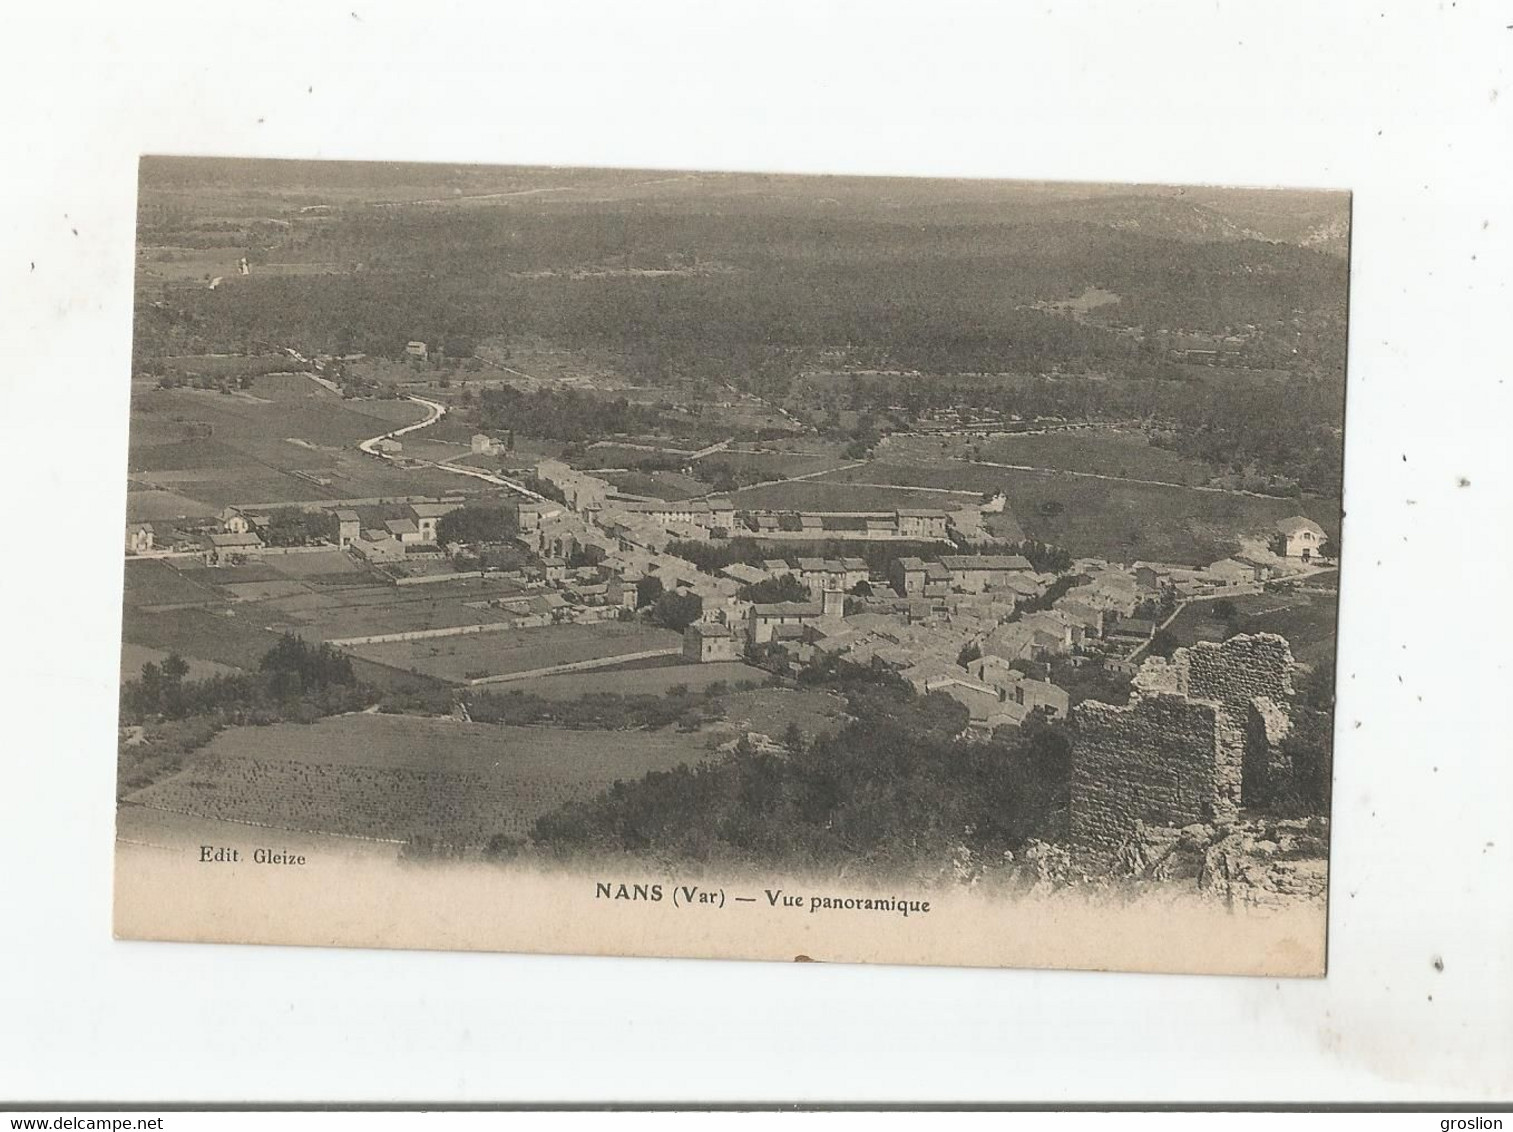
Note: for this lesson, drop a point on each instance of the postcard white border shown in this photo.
(1407, 105)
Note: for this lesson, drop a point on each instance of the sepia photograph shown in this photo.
(732, 565)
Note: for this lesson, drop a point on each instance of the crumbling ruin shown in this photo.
(1200, 736)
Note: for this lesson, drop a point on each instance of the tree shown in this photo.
(648, 590)
(296, 667)
(783, 588)
(968, 654)
(1164, 643)
(477, 522)
(175, 668)
(677, 611)
(293, 526)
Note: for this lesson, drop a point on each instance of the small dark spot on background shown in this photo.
(75, 231)
(803, 959)
(1439, 963)
(1463, 482)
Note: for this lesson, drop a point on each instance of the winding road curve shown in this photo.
(437, 410)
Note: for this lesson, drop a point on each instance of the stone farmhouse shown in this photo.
(705, 642)
(1299, 537)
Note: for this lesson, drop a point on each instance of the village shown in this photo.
(986, 629)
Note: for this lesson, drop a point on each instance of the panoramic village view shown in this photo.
(980, 533)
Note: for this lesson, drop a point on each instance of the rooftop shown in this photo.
(1295, 523)
(223, 539)
(986, 561)
(788, 609)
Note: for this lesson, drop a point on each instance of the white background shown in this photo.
(1405, 103)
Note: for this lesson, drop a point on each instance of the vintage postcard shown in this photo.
(732, 565)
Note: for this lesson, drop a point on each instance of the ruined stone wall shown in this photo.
(1240, 669)
(1239, 674)
(1200, 735)
(1158, 760)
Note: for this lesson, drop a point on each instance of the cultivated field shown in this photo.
(287, 439)
(825, 495)
(156, 828)
(151, 582)
(133, 657)
(637, 681)
(518, 650)
(770, 465)
(393, 777)
(338, 612)
(229, 638)
(144, 505)
(657, 485)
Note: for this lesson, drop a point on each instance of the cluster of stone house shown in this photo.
(964, 573)
(819, 575)
(905, 523)
(794, 620)
(390, 534)
(994, 693)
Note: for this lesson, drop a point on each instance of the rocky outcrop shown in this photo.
(1250, 863)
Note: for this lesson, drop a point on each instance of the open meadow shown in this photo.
(770, 711)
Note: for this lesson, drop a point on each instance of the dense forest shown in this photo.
(753, 288)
